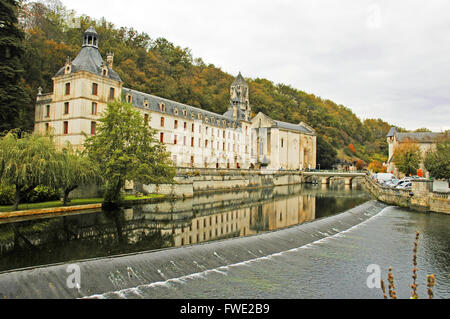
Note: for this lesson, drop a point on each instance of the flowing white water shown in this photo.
(222, 270)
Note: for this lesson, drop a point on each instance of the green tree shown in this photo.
(29, 161)
(78, 170)
(13, 97)
(437, 162)
(125, 149)
(407, 158)
(326, 154)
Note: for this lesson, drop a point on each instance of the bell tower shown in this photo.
(239, 96)
(90, 38)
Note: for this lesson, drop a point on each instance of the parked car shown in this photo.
(392, 183)
(384, 177)
(405, 185)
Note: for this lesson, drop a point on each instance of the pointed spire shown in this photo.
(239, 80)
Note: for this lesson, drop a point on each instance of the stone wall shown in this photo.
(439, 202)
(421, 197)
(388, 195)
(189, 181)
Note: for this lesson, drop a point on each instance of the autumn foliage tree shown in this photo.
(407, 158)
(360, 164)
(377, 167)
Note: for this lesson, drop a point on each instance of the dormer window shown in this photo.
(162, 107)
(199, 116)
(175, 111)
(206, 119)
(146, 104)
(192, 115)
(129, 98)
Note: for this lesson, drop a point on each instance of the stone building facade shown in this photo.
(426, 141)
(194, 137)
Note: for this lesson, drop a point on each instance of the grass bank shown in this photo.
(75, 202)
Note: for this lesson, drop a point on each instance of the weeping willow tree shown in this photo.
(78, 170)
(29, 160)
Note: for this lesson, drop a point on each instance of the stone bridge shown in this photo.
(324, 177)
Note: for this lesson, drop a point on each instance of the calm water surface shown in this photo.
(41, 241)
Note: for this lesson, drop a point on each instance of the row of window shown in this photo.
(189, 241)
(162, 108)
(66, 127)
(112, 91)
(94, 108)
(175, 126)
(225, 217)
(207, 143)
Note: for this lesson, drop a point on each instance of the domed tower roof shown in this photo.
(89, 59)
(90, 37)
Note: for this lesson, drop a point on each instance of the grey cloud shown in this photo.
(383, 59)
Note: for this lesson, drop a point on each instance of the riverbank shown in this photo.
(75, 205)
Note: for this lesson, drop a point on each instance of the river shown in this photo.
(333, 266)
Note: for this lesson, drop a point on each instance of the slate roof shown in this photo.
(392, 131)
(89, 59)
(138, 99)
(421, 137)
(229, 114)
(293, 127)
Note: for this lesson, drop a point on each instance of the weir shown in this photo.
(105, 275)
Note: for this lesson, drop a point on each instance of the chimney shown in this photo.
(110, 59)
(235, 111)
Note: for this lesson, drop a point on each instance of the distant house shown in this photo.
(343, 165)
(425, 140)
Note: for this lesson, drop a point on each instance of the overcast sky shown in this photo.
(382, 59)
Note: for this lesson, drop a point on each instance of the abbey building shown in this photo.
(194, 137)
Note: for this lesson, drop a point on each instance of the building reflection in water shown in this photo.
(215, 216)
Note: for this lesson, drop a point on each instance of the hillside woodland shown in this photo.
(159, 67)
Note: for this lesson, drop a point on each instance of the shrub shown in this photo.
(7, 194)
(38, 195)
(42, 194)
